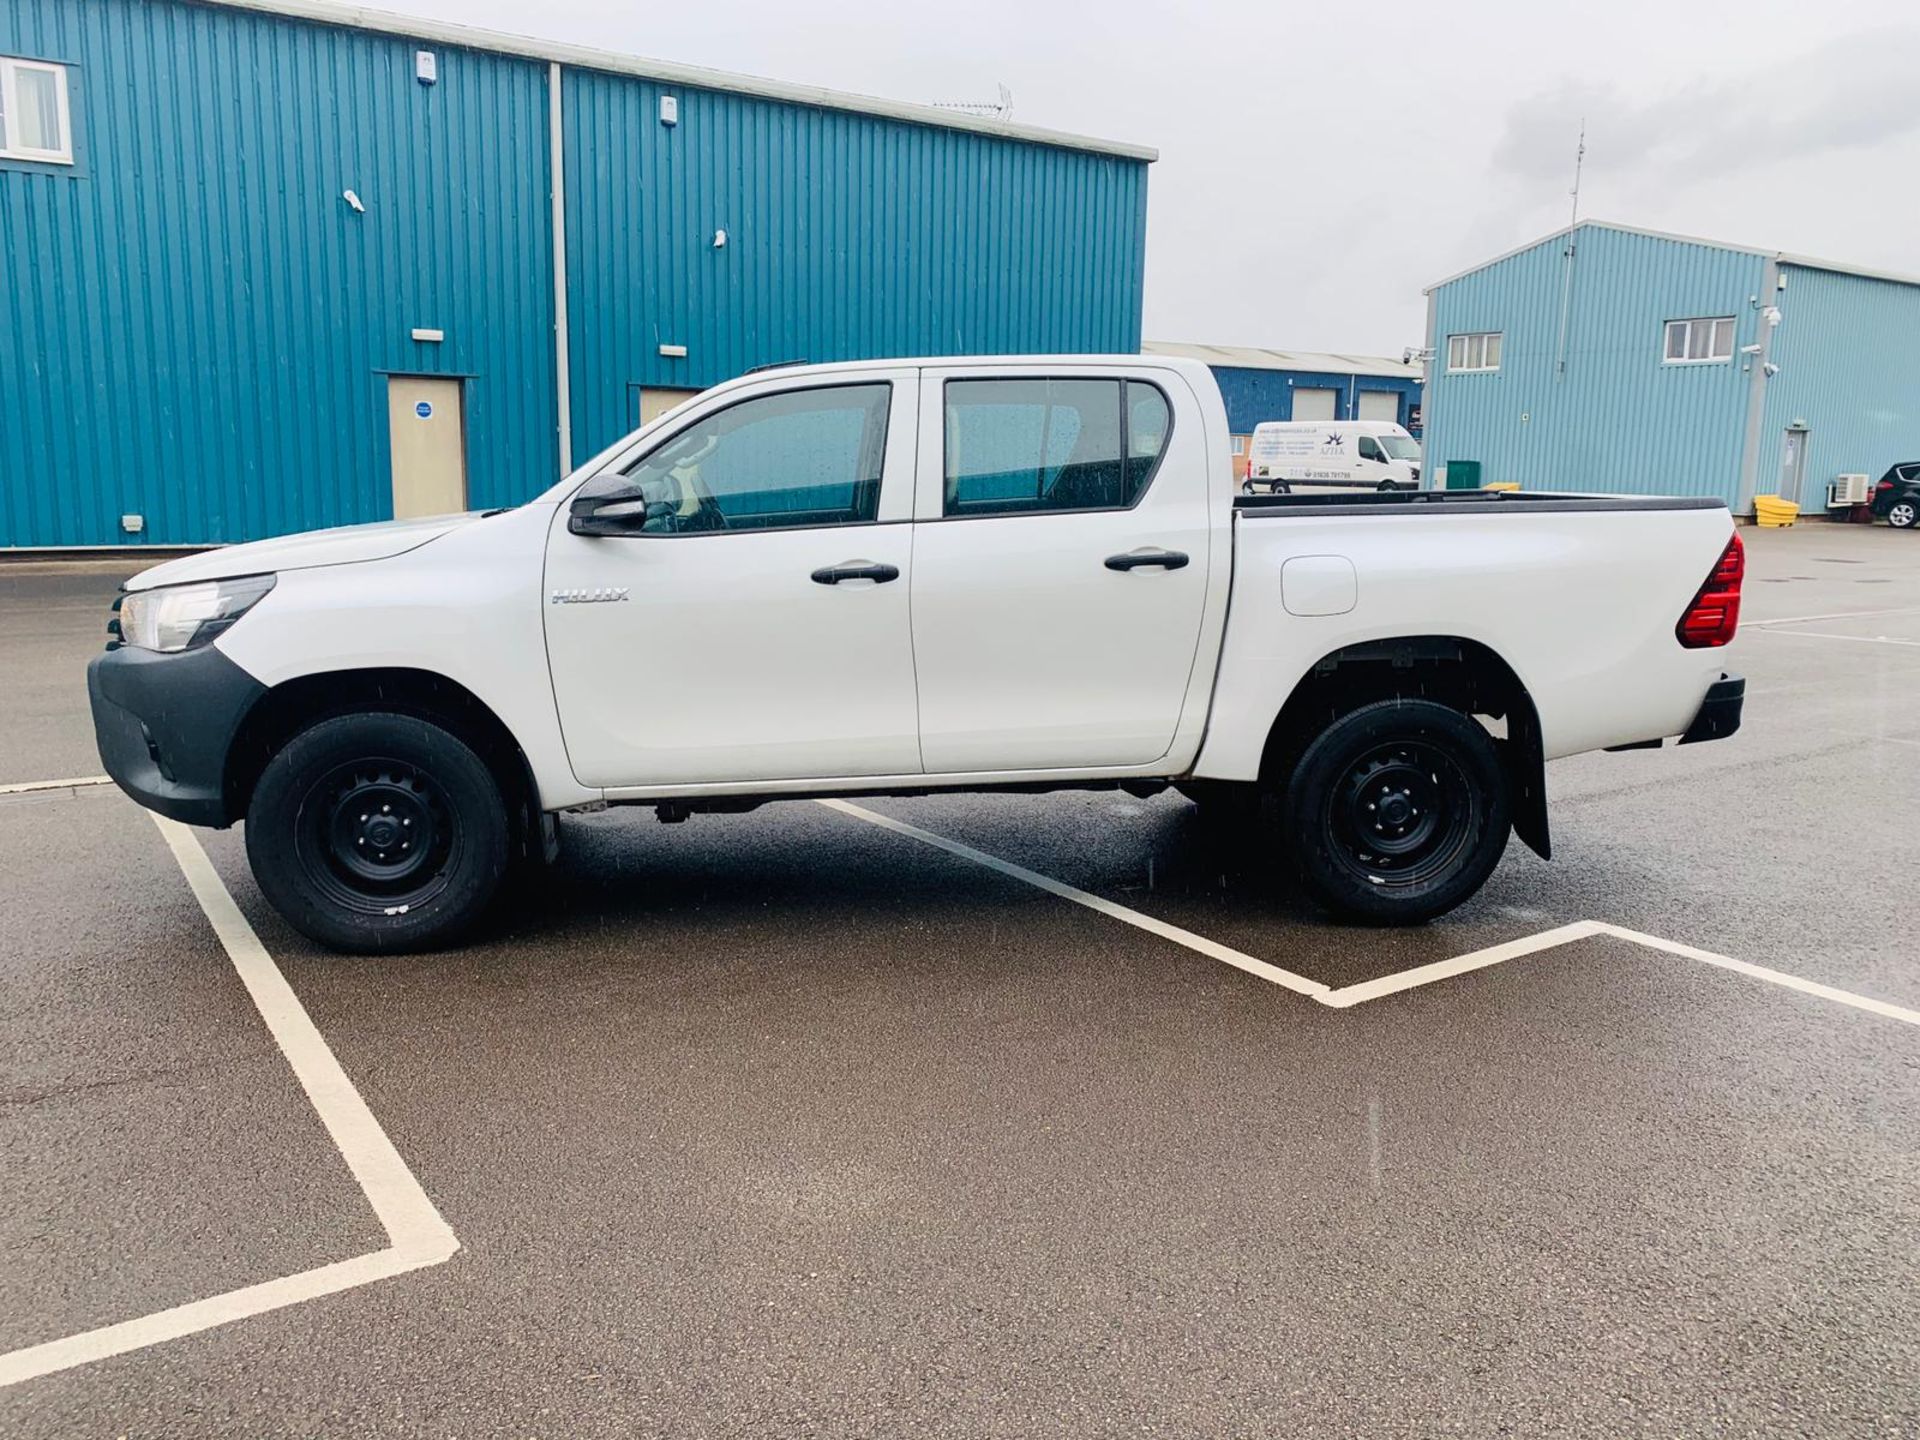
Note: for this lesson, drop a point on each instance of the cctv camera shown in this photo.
(1749, 349)
(1771, 369)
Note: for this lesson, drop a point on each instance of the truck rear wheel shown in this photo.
(377, 832)
(1397, 812)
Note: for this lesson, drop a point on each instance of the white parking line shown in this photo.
(1212, 949)
(1350, 995)
(1836, 635)
(417, 1235)
(25, 786)
(1830, 615)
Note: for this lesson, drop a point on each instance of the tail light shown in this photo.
(1884, 485)
(1715, 612)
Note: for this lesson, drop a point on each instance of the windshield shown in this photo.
(1400, 447)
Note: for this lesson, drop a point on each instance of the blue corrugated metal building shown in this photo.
(1610, 358)
(246, 239)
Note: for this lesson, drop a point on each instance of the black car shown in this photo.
(1896, 499)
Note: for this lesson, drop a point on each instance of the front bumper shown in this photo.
(1719, 714)
(164, 725)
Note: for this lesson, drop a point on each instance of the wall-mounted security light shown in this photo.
(719, 239)
(1749, 349)
(426, 67)
(669, 110)
(674, 352)
(353, 201)
(1772, 312)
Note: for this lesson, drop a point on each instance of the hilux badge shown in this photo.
(597, 595)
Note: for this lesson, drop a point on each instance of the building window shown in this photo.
(1474, 352)
(1699, 342)
(33, 112)
(1239, 446)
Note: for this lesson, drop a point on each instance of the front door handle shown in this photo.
(863, 570)
(1135, 559)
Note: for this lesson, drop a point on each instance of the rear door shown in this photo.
(757, 628)
(1059, 566)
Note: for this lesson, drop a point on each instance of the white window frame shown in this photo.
(1712, 322)
(1471, 348)
(1239, 446)
(10, 67)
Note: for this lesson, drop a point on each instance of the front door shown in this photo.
(427, 444)
(757, 627)
(1059, 569)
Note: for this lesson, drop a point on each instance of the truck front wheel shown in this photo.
(1397, 812)
(377, 832)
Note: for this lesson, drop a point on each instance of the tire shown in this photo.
(335, 819)
(1386, 487)
(1903, 514)
(1397, 812)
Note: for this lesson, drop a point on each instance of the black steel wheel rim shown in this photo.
(377, 836)
(1401, 814)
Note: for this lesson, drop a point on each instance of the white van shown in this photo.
(1311, 456)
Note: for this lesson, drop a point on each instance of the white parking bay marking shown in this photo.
(1226, 954)
(1350, 995)
(417, 1235)
(23, 787)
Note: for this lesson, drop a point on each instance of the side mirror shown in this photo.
(616, 508)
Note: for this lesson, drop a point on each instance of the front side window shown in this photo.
(1370, 448)
(1694, 342)
(1017, 446)
(778, 462)
(34, 123)
(1479, 351)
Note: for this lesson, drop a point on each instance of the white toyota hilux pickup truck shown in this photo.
(897, 577)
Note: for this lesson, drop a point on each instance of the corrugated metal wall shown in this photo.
(1848, 349)
(206, 326)
(848, 236)
(1617, 419)
(1253, 396)
(204, 332)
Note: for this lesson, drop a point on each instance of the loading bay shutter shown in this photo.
(1312, 404)
(1380, 405)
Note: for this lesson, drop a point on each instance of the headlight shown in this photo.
(179, 617)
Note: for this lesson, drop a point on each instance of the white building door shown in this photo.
(1310, 403)
(427, 444)
(1380, 405)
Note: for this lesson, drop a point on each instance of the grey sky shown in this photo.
(1320, 164)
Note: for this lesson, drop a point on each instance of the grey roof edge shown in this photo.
(1804, 262)
(1248, 357)
(385, 22)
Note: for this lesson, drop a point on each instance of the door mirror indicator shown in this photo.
(619, 508)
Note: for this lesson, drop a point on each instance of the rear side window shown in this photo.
(1019, 446)
(803, 458)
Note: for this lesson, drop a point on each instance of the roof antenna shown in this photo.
(1566, 282)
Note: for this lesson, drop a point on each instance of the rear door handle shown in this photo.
(1135, 559)
(863, 570)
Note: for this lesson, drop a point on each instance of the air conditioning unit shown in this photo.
(1848, 490)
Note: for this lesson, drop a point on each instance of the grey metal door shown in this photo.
(1793, 463)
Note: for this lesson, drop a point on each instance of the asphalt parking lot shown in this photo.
(793, 1123)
